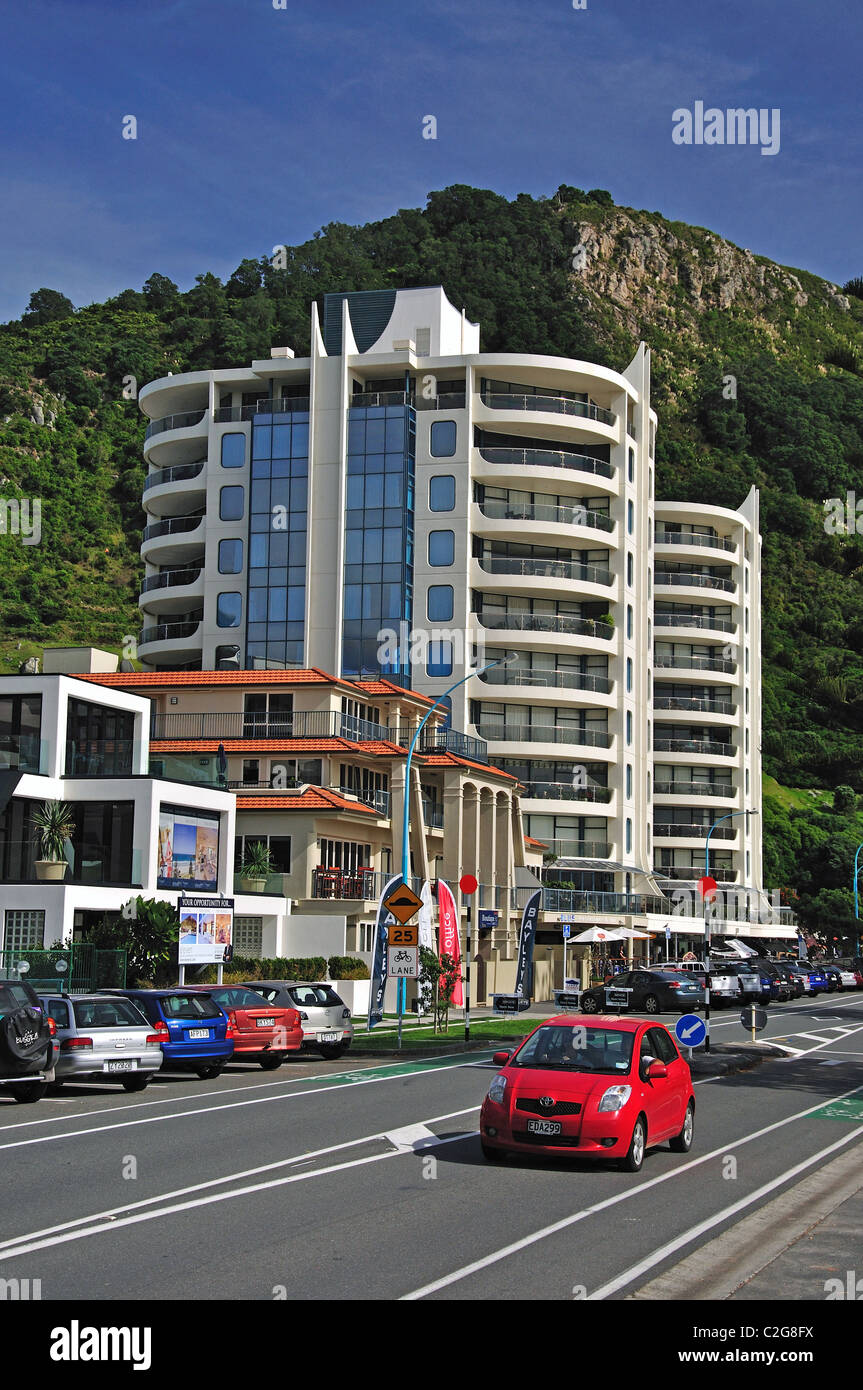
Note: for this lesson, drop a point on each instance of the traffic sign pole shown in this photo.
(468, 885)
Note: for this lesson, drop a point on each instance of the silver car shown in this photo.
(102, 1039)
(327, 1026)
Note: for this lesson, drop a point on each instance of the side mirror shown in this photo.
(500, 1059)
(656, 1071)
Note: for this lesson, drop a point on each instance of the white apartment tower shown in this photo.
(474, 506)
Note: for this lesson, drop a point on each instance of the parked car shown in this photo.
(325, 1019)
(654, 991)
(813, 977)
(194, 1033)
(103, 1040)
(852, 973)
(781, 977)
(28, 1047)
(263, 1032)
(591, 1087)
(794, 978)
(833, 976)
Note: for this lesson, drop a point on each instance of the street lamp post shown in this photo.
(501, 661)
(718, 821)
(856, 872)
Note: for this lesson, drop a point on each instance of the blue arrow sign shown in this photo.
(690, 1030)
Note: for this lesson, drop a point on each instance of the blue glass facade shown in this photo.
(379, 537)
(277, 537)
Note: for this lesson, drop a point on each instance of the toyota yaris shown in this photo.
(595, 1087)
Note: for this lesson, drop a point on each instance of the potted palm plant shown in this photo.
(53, 825)
(256, 867)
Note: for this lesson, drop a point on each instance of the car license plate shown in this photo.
(199, 1032)
(266, 1023)
(120, 1066)
(544, 1126)
(328, 1037)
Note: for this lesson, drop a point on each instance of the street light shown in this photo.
(718, 821)
(856, 871)
(506, 660)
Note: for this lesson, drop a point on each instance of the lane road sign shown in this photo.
(403, 962)
(403, 903)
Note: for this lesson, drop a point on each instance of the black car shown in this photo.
(649, 991)
(794, 979)
(27, 1049)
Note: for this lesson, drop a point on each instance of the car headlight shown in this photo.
(497, 1089)
(615, 1098)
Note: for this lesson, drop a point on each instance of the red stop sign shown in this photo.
(468, 884)
(707, 887)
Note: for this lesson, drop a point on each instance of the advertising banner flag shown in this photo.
(449, 943)
(379, 957)
(425, 918)
(526, 939)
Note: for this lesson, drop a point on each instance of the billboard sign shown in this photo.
(206, 930)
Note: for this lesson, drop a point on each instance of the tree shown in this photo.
(439, 975)
(159, 292)
(149, 931)
(47, 306)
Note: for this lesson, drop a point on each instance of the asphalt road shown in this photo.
(328, 1181)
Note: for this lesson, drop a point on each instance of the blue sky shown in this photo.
(257, 126)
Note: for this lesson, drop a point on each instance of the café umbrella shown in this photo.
(597, 934)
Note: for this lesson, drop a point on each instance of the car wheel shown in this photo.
(135, 1083)
(589, 1005)
(29, 1091)
(651, 1004)
(209, 1073)
(273, 1060)
(682, 1142)
(492, 1155)
(635, 1157)
(336, 1050)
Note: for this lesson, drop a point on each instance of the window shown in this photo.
(439, 603)
(278, 845)
(251, 772)
(231, 504)
(230, 557)
(629, 620)
(441, 547)
(20, 727)
(24, 929)
(442, 493)
(629, 726)
(229, 610)
(439, 661)
(629, 568)
(629, 673)
(629, 780)
(249, 936)
(443, 439)
(233, 450)
(630, 467)
(99, 740)
(628, 835)
(630, 517)
(59, 1011)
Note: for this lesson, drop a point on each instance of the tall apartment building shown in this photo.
(401, 504)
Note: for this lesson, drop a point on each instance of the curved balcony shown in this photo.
(167, 640)
(691, 873)
(701, 706)
(686, 662)
(547, 680)
(284, 405)
(557, 405)
(551, 519)
(173, 491)
(565, 791)
(577, 849)
(170, 542)
(695, 790)
(663, 579)
(172, 591)
(706, 746)
(666, 830)
(559, 624)
(695, 540)
(176, 439)
(557, 572)
(542, 733)
(694, 621)
(507, 467)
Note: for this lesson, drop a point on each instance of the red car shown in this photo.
(262, 1033)
(591, 1085)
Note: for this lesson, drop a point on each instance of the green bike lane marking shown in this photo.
(391, 1069)
(849, 1109)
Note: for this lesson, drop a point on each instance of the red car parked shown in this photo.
(593, 1085)
(262, 1033)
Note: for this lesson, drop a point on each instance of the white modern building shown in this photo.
(400, 504)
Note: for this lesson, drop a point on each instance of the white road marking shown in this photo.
(811, 1037)
(635, 1272)
(19, 1245)
(576, 1217)
(413, 1137)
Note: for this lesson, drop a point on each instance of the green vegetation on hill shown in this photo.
(755, 380)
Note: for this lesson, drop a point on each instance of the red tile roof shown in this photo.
(312, 799)
(378, 748)
(528, 840)
(385, 687)
(138, 680)
(446, 759)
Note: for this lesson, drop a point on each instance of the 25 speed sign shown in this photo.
(403, 936)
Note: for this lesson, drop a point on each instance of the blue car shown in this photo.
(195, 1034)
(814, 979)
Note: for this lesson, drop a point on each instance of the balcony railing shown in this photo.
(299, 724)
(555, 680)
(112, 757)
(449, 400)
(693, 538)
(565, 791)
(693, 620)
(177, 474)
(538, 733)
(432, 814)
(168, 632)
(576, 849)
(691, 703)
(363, 399)
(286, 405)
(544, 622)
(694, 745)
(23, 753)
(176, 526)
(446, 741)
(689, 873)
(662, 578)
(723, 789)
(664, 830)
(546, 458)
(685, 661)
(560, 405)
(379, 800)
(550, 569)
(496, 510)
(168, 579)
(274, 886)
(88, 863)
(175, 422)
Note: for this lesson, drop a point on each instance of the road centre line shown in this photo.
(214, 1109)
(11, 1244)
(526, 1241)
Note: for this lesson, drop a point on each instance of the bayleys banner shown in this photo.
(526, 940)
(379, 957)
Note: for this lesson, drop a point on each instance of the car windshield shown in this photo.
(314, 996)
(108, 1013)
(14, 996)
(189, 1006)
(576, 1047)
(238, 998)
